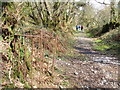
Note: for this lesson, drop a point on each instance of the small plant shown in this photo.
(65, 83)
(101, 47)
(66, 77)
(98, 41)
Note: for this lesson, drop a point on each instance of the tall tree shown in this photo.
(112, 11)
(119, 11)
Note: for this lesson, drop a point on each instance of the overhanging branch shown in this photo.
(102, 2)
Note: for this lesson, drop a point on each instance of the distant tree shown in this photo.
(112, 11)
(119, 11)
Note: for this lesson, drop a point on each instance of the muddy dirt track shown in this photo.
(98, 71)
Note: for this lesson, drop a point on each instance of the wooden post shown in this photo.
(42, 51)
(32, 58)
(32, 48)
(54, 54)
(39, 47)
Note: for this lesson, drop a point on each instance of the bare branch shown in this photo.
(102, 2)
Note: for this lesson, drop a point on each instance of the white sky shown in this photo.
(98, 5)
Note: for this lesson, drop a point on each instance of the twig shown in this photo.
(102, 2)
(10, 75)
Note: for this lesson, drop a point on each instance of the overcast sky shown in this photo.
(98, 5)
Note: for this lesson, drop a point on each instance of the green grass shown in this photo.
(101, 47)
(98, 41)
(104, 45)
(65, 83)
(26, 85)
(58, 70)
(1, 38)
(66, 77)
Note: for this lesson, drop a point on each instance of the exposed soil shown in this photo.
(98, 71)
